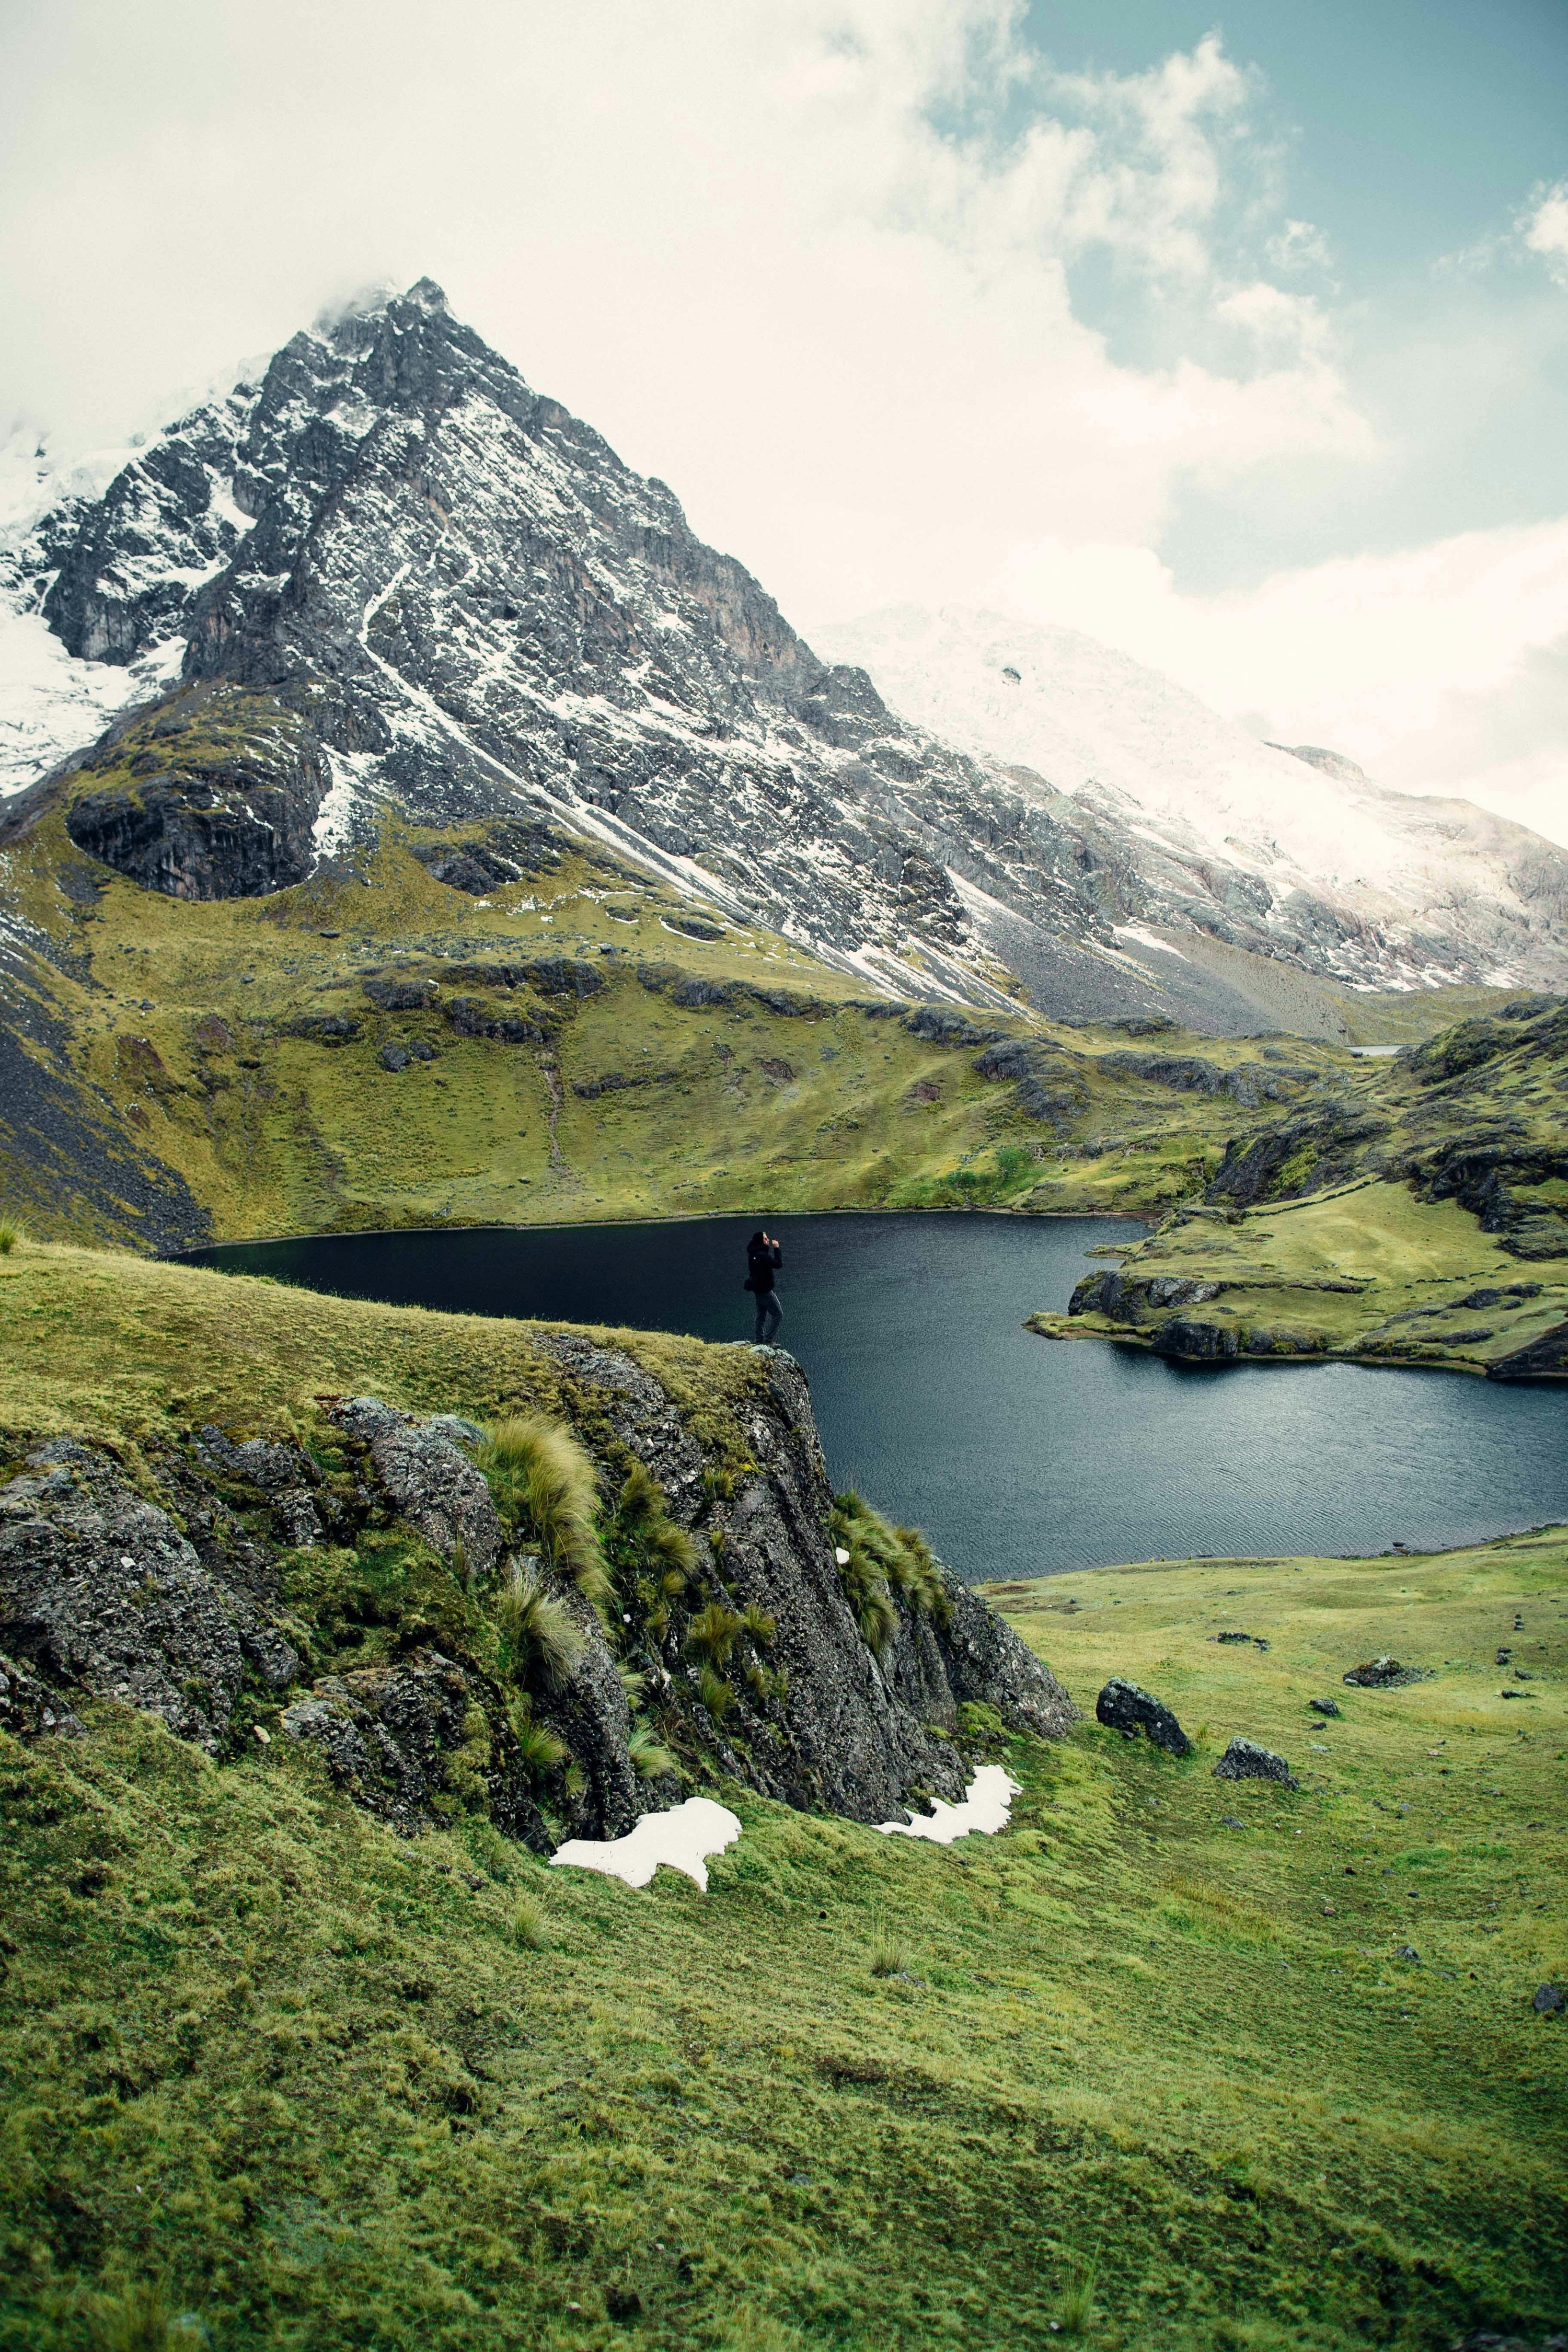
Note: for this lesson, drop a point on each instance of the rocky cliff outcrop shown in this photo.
(360, 1598)
(213, 796)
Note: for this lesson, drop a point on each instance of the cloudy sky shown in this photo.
(1241, 342)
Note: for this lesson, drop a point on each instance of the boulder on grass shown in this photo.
(1245, 1760)
(1382, 1674)
(1126, 1708)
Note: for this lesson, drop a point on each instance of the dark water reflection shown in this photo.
(1019, 1455)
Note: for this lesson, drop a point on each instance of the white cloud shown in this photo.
(815, 265)
(1298, 246)
(1545, 228)
(1440, 670)
(805, 264)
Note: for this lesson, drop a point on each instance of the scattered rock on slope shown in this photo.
(1382, 1674)
(1126, 1708)
(1245, 1760)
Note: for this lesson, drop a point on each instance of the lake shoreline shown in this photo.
(199, 1252)
(1279, 1359)
(934, 1397)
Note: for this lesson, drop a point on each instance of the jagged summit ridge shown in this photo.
(470, 599)
(460, 600)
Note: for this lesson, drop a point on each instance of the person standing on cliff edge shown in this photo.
(762, 1255)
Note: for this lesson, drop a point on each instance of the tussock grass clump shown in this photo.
(650, 1757)
(892, 1555)
(884, 1560)
(539, 1749)
(538, 1641)
(543, 1483)
(530, 1923)
(714, 1631)
(889, 1956)
(715, 1693)
(747, 2330)
(10, 1234)
(1074, 2306)
(914, 1573)
(140, 2320)
(646, 1531)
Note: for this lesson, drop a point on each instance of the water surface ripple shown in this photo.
(1018, 1456)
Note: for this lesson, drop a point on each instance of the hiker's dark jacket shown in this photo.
(760, 1259)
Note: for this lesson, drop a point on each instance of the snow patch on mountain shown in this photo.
(1057, 707)
(52, 704)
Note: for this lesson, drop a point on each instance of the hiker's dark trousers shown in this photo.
(770, 1315)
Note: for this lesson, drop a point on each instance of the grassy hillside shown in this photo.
(105, 1346)
(229, 1049)
(1365, 1271)
(382, 1048)
(274, 2077)
(1414, 1213)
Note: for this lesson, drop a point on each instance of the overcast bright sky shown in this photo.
(1241, 344)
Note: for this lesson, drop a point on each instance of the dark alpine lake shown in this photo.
(1018, 1456)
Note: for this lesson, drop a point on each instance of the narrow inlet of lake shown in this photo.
(1018, 1456)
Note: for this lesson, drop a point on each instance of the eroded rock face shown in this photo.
(1048, 1085)
(29, 1708)
(213, 797)
(99, 1590)
(852, 1731)
(1128, 1297)
(431, 1480)
(1296, 1157)
(1248, 1084)
(101, 1593)
(1194, 1341)
(1545, 1358)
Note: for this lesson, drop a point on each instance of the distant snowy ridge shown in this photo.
(170, 542)
(1449, 884)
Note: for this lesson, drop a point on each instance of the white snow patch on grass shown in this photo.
(987, 1803)
(683, 1839)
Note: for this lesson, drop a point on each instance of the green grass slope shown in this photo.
(1366, 1271)
(1414, 1213)
(272, 2076)
(105, 1346)
(227, 1051)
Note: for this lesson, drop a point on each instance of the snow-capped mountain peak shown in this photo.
(442, 596)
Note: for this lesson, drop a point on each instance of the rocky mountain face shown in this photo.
(237, 1587)
(460, 606)
(387, 581)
